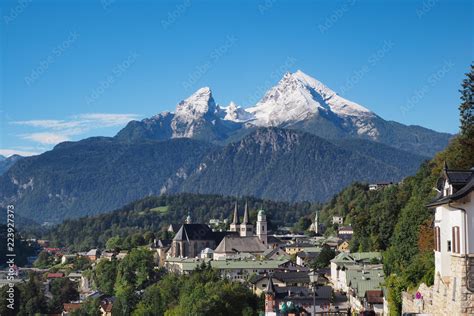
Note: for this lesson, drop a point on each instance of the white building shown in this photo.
(337, 220)
(453, 290)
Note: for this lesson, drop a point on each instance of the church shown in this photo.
(242, 238)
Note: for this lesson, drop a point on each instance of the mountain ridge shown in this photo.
(297, 101)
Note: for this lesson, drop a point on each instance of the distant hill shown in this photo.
(290, 165)
(99, 174)
(7, 162)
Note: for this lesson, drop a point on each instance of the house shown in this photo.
(295, 300)
(68, 308)
(344, 261)
(365, 284)
(274, 242)
(106, 306)
(160, 247)
(339, 220)
(107, 255)
(67, 258)
(275, 254)
(298, 246)
(343, 246)
(453, 289)
(378, 186)
(93, 254)
(280, 279)
(345, 232)
(306, 258)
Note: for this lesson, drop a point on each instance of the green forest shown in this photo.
(139, 222)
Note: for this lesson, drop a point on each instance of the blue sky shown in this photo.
(74, 69)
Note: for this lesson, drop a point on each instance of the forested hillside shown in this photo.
(140, 221)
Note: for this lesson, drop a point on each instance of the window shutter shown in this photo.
(453, 233)
(438, 239)
(458, 239)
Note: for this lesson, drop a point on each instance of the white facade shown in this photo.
(447, 217)
(337, 220)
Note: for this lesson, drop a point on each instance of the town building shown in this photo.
(345, 261)
(280, 279)
(345, 232)
(191, 239)
(339, 220)
(453, 289)
(296, 301)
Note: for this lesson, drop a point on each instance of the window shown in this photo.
(449, 245)
(456, 240)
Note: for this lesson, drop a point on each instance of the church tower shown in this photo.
(246, 229)
(262, 227)
(235, 225)
(316, 223)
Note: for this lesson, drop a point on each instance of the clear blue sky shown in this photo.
(74, 69)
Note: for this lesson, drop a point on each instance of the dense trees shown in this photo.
(201, 293)
(138, 223)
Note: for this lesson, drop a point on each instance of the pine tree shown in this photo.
(466, 108)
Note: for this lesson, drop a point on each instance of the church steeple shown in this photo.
(246, 229)
(235, 225)
(236, 215)
(246, 215)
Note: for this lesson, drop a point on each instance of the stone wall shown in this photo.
(448, 296)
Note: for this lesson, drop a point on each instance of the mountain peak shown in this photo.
(297, 97)
(197, 105)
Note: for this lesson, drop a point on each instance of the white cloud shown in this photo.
(46, 138)
(9, 152)
(56, 131)
(107, 119)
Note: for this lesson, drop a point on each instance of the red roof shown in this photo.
(55, 275)
(69, 307)
(374, 296)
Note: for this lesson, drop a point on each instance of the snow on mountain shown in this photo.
(235, 113)
(297, 97)
(190, 112)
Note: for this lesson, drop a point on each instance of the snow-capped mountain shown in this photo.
(197, 117)
(299, 97)
(297, 101)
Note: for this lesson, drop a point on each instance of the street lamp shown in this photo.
(313, 279)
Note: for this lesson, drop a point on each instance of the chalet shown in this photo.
(453, 289)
